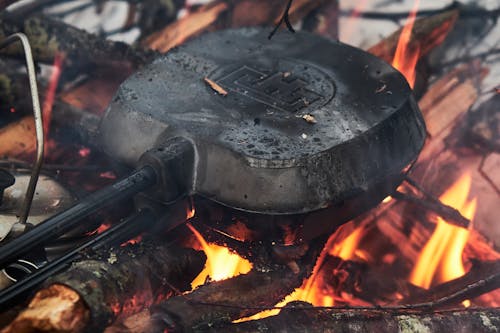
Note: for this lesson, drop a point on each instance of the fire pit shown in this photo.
(264, 183)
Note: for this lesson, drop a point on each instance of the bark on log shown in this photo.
(49, 37)
(350, 320)
(126, 280)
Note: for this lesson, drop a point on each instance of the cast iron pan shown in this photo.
(306, 123)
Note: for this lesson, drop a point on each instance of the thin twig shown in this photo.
(396, 16)
(450, 214)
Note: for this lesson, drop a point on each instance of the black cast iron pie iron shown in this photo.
(306, 123)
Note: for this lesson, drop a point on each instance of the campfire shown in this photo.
(228, 165)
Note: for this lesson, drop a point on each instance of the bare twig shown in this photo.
(450, 214)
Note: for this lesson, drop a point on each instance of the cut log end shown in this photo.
(56, 309)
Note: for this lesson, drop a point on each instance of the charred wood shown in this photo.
(301, 318)
(49, 37)
(218, 303)
(483, 277)
(450, 214)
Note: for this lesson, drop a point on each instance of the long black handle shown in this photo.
(117, 234)
(64, 221)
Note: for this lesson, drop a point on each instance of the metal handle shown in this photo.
(37, 114)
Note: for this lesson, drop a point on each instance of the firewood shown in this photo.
(483, 277)
(119, 282)
(428, 32)
(227, 14)
(49, 37)
(220, 302)
(183, 29)
(57, 309)
(302, 318)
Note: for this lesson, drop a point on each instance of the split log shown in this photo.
(227, 14)
(427, 33)
(54, 309)
(120, 282)
(301, 318)
(49, 37)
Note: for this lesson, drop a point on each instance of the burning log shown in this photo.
(427, 33)
(300, 317)
(483, 277)
(218, 303)
(121, 281)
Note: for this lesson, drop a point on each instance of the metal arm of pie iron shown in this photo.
(157, 175)
(37, 114)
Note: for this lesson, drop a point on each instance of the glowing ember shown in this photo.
(51, 93)
(107, 175)
(84, 152)
(221, 263)
(405, 59)
(441, 258)
(103, 227)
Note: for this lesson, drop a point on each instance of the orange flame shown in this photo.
(405, 59)
(346, 249)
(311, 290)
(441, 258)
(221, 263)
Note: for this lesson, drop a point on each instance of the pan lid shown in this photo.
(279, 126)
